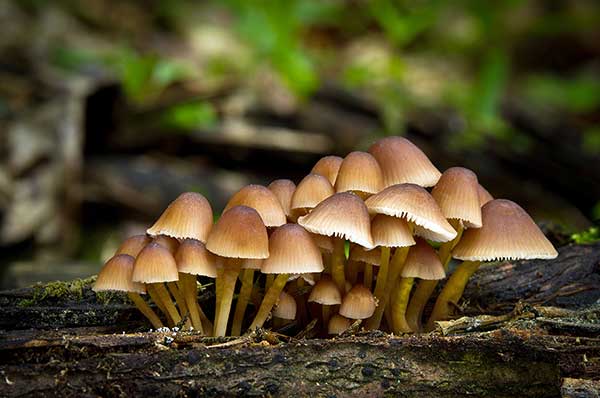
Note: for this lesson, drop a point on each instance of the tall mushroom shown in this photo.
(247, 276)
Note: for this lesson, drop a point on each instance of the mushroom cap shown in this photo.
(252, 263)
(312, 190)
(343, 215)
(457, 195)
(402, 162)
(391, 231)
(188, 216)
(292, 251)
(239, 233)
(263, 201)
(155, 264)
(338, 324)
(283, 190)
(484, 195)
(193, 258)
(325, 292)
(133, 245)
(358, 303)
(285, 307)
(116, 276)
(416, 205)
(508, 233)
(323, 242)
(359, 172)
(171, 244)
(423, 262)
(328, 167)
(373, 256)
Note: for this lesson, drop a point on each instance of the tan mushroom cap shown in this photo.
(358, 303)
(508, 233)
(457, 195)
(312, 190)
(133, 245)
(343, 215)
(359, 172)
(484, 195)
(292, 251)
(263, 201)
(391, 231)
(416, 205)
(155, 264)
(373, 256)
(285, 307)
(283, 190)
(325, 292)
(171, 244)
(239, 233)
(116, 276)
(402, 162)
(338, 324)
(323, 242)
(188, 216)
(423, 262)
(193, 258)
(328, 167)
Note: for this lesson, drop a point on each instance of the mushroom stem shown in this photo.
(269, 301)
(326, 313)
(368, 276)
(164, 296)
(399, 304)
(337, 264)
(242, 301)
(382, 274)
(230, 273)
(156, 298)
(180, 300)
(452, 292)
(326, 263)
(352, 271)
(301, 312)
(269, 281)
(145, 309)
(394, 271)
(190, 294)
(425, 288)
(218, 293)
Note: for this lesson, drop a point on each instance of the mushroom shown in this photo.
(342, 216)
(359, 173)
(283, 190)
(116, 276)
(484, 195)
(368, 258)
(188, 216)
(326, 293)
(133, 245)
(338, 324)
(239, 234)
(328, 167)
(285, 309)
(312, 190)
(358, 303)
(422, 262)
(508, 233)
(292, 251)
(263, 201)
(247, 277)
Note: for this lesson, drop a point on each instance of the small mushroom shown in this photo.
(263, 201)
(285, 309)
(188, 216)
(338, 324)
(283, 190)
(358, 303)
(359, 173)
(328, 167)
(312, 190)
(326, 293)
(133, 245)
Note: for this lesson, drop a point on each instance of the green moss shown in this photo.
(70, 290)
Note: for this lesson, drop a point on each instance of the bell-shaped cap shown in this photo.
(155, 264)
(328, 167)
(312, 190)
(171, 244)
(193, 258)
(508, 233)
(324, 243)
(360, 173)
(133, 245)
(292, 251)
(338, 324)
(457, 195)
(423, 262)
(343, 215)
(325, 292)
(372, 256)
(263, 201)
(391, 231)
(285, 307)
(484, 195)
(402, 162)
(358, 303)
(283, 190)
(116, 276)
(188, 216)
(239, 233)
(416, 205)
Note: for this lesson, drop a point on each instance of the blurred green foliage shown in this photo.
(590, 235)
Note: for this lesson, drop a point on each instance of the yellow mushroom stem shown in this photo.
(452, 292)
(326, 314)
(165, 298)
(399, 303)
(382, 275)
(180, 300)
(337, 264)
(229, 275)
(271, 297)
(368, 276)
(326, 263)
(242, 301)
(425, 288)
(190, 294)
(297, 292)
(145, 309)
(395, 266)
(269, 281)
(353, 267)
(157, 300)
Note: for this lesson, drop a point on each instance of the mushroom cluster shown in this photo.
(287, 246)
